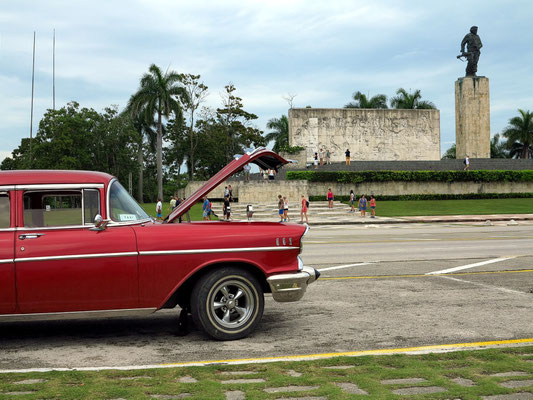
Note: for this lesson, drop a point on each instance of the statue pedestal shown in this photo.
(472, 117)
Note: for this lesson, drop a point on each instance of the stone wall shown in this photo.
(268, 191)
(370, 134)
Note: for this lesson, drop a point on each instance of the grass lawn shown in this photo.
(402, 208)
(463, 374)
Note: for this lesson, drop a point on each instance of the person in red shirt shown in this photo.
(304, 211)
(373, 206)
(330, 198)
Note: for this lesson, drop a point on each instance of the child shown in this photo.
(352, 201)
(373, 206)
(304, 211)
(285, 209)
(159, 209)
(280, 208)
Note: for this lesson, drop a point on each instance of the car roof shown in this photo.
(29, 177)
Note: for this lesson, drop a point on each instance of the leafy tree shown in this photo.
(237, 124)
(361, 101)
(410, 101)
(158, 96)
(196, 94)
(74, 138)
(279, 133)
(450, 153)
(519, 135)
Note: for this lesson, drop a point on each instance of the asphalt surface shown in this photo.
(374, 293)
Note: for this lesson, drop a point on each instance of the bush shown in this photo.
(412, 176)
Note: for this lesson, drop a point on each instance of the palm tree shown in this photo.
(497, 147)
(361, 101)
(280, 132)
(158, 95)
(410, 101)
(519, 135)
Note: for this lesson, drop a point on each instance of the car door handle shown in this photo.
(30, 235)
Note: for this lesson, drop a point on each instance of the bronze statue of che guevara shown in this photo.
(473, 44)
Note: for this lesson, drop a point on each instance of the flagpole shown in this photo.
(32, 92)
(54, 71)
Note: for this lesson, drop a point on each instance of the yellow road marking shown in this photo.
(424, 275)
(308, 357)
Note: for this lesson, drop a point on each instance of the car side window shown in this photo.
(52, 208)
(91, 205)
(4, 210)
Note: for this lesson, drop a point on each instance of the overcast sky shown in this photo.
(322, 51)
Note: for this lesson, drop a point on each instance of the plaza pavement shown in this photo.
(320, 214)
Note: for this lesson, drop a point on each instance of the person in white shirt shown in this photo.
(159, 209)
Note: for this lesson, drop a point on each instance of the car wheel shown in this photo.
(227, 303)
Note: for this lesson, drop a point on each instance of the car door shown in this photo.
(7, 265)
(62, 265)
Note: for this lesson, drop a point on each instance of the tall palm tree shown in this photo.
(497, 147)
(410, 101)
(519, 135)
(361, 101)
(158, 95)
(280, 132)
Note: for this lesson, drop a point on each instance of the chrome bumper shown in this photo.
(291, 287)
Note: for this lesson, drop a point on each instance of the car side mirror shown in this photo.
(100, 224)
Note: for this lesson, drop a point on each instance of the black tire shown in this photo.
(227, 303)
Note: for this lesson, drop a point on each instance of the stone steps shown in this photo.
(269, 212)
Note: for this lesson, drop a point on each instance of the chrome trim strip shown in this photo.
(78, 256)
(8, 229)
(7, 187)
(7, 260)
(207, 251)
(60, 186)
(126, 312)
(33, 228)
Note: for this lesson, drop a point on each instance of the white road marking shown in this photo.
(344, 266)
(501, 289)
(479, 264)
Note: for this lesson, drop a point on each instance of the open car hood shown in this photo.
(264, 158)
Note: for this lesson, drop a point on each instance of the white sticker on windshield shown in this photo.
(127, 217)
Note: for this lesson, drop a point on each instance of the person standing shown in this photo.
(347, 153)
(227, 208)
(280, 208)
(328, 156)
(159, 209)
(247, 169)
(230, 193)
(316, 161)
(373, 206)
(362, 205)
(206, 209)
(305, 206)
(172, 203)
(285, 209)
(352, 201)
(321, 156)
(467, 163)
(271, 174)
(330, 198)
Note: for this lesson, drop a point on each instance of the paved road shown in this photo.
(374, 293)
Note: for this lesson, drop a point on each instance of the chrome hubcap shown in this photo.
(232, 303)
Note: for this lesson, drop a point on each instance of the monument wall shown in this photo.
(472, 117)
(370, 134)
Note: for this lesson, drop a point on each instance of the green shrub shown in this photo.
(412, 176)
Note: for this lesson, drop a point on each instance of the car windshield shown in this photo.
(122, 207)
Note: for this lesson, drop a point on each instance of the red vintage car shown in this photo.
(75, 244)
